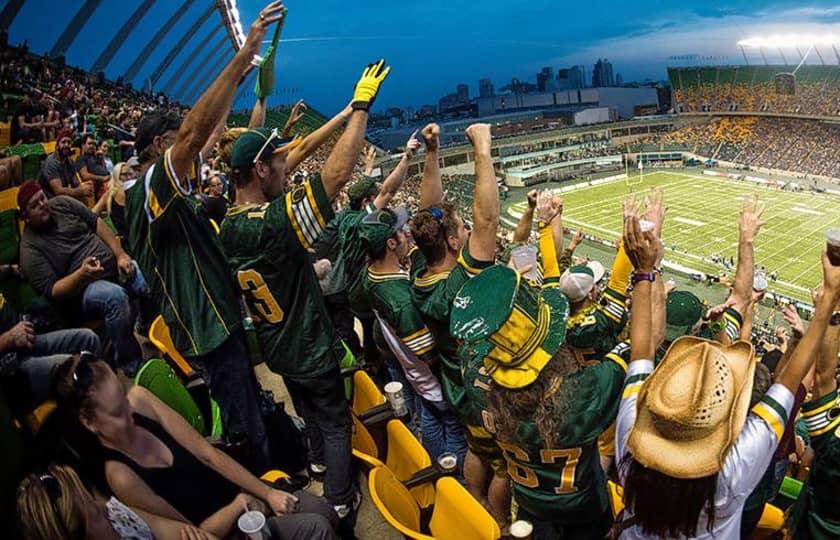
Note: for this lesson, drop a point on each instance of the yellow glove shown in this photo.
(368, 85)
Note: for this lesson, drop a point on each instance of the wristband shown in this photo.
(835, 319)
(643, 276)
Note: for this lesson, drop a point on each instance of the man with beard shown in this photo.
(58, 176)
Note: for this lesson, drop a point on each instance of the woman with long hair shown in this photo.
(112, 202)
(156, 462)
(690, 447)
(56, 505)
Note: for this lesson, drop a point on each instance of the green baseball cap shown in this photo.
(515, 327)
(364, 187)
(378, 226)
(683, 310)
(259, 140)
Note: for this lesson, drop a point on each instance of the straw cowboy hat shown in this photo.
(692, 407)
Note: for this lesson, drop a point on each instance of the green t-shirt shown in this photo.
(390, 297)
(816, 514)
(181, 257)
(433, 295)
(353, 260)
(562, 480)
(267, 247)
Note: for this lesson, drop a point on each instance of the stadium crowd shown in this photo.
(599, 402)
(818, 98)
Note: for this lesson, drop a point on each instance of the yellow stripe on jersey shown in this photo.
(293, 220)
(463, 262)
(813, 412)
(771, 417)
(431, 279)
(154, 205)
(828, 427)
(314, 204)
(618, 360)
(631, 390)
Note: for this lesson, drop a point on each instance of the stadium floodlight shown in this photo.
(790, 41)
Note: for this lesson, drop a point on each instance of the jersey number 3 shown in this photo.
(261, 303)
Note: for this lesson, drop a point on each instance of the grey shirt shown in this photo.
(55, 167)
(47, 256)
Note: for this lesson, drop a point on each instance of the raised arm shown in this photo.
(825, 377)
(802, 358)
(215, 103)
(548, 211)
(486, 198)
(643, 250)
(214, 137)
(557, 227)
(298, 111)
(431, 186)
(526, 222)
(395, 180)
(749, 225)
(339, 166)
(316, 139)
(257, 119)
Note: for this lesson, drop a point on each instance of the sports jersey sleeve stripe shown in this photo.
(818, 414)
(320, 202)
(306, 219)
(290, 213)
(774, 408)
(733, 323)
(472, 266)
(170, 173)
(637, 372)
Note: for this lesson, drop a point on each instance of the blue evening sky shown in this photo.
(434, 45)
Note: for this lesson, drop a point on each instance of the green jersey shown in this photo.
(433, 295)
(353, 259)
(562, 480)
(593, 332)
(816, 515)
(267, 247)
(390, 296)
(179, 253)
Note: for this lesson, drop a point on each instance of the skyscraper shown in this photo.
(463, 92)
(602, 74)
(485, 88)
(545, 80)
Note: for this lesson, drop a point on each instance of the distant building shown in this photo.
(570, 78)
(485, 88)
(619, 80)
(427, 111)
(518, 87)
(546, 81)
(463, 92)
(602, 74)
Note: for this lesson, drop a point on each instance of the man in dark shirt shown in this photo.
(90, 165)
(25, 128)
(58, 176)
(72, 258)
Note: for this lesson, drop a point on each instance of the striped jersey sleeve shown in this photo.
(472, 266)
(733, 321)
(774, 408)
(614, 306)
(620, 355)
(637, 372)
(822, 416)
(308, 210)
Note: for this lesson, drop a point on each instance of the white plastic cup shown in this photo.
(521, 529)
(645, 225)
(252, 524)
(394, 394)
(832, 239)
(447, 461)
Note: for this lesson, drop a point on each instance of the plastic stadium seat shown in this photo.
(159, 336)
(455, 516)
(364, 446)
(159, 378)
(772, 519)
(49, 147)
(458, 516)
(5, 133)
(365, 393)
(274, 476)
(406, 456)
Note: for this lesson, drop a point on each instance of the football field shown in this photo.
(702, 221)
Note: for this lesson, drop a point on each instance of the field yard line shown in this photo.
(785, 248)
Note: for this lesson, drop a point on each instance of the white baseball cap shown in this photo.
(577, 282)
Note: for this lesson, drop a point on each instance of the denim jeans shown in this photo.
(320, 401)
(112, 302)
(441, 431)
(228, 373)
(33, 381)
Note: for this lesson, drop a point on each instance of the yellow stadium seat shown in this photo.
(406, 456)
(771, 522)
(49, 147)
(273, 476)
(364, 446)
(395, 503)
(458, 516)
(5, 134)
(365, 393)
(8, 199)
(616, 498)
(159, 336)
(34, 420)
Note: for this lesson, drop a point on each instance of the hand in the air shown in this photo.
(368, 86)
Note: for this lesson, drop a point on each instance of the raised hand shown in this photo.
(546, 210)
(630, 207)
(576, 240)
(431, 137)
(269, 15)
(831, 278)
(412, 145)
(368, 86)
(750, 222)
(532, 199)
(655, 210)
(642, 247)
(480, 137)
(298, 111)
(370, 159)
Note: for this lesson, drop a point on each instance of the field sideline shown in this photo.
(702, 221)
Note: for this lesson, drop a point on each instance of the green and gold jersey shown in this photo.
(433, 295)
(179, 253)
(562, 480)
(593, 332)
(390, 297)
(267, 247)
(353, 259)
(816, 516)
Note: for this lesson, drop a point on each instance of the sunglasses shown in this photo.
(275, 134)
(83, 374)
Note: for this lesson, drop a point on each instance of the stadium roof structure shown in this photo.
(172, 46)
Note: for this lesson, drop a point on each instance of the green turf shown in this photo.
(702, 221)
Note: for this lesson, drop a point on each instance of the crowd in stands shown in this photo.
(599, 402)
(817, 98)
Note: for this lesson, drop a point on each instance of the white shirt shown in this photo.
(745, 464)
